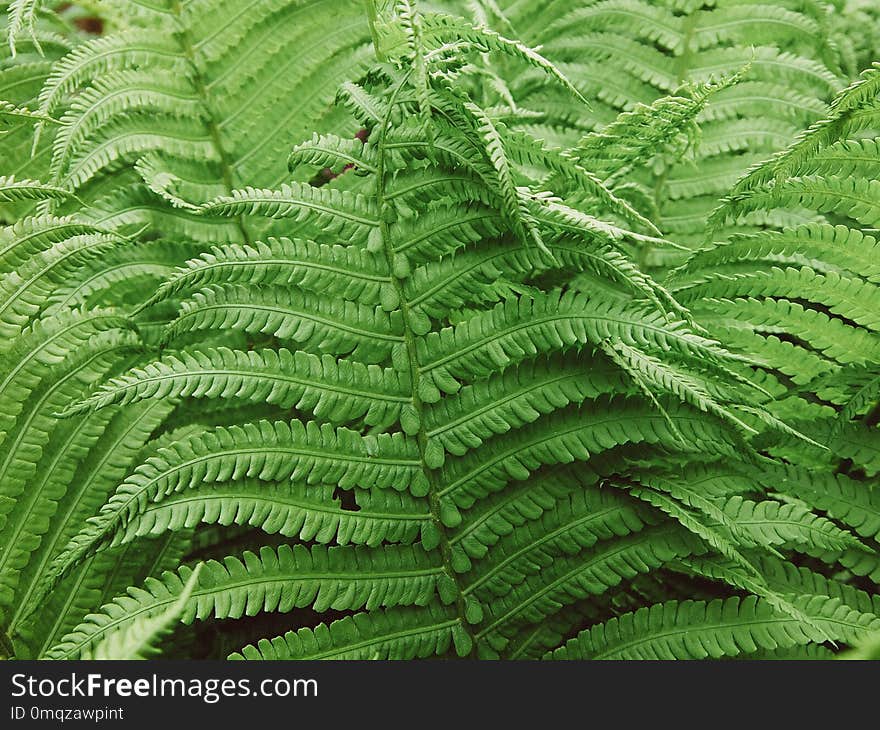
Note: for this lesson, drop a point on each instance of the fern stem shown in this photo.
(683, 61)
(434, 488)
(659, 191)
(372, 17)
(7, 649)
(210, 118)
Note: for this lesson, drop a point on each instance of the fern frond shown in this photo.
(287, 262)
(514, 205)
(306, 512)
(393, 634)
(576, 435)
(332, 151)
(486, 40)
(138, 640)
(720, 628)
(12, 190)
(335, 390)
(292, 577)
(577, 577)
(22, 17)
(342, 327)
(272, 452)
(96, 475)
(516, 397)
(334, 212)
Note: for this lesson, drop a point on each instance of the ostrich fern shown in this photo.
(804, 298)
(628, 53)
(423, 403)
(21, 78)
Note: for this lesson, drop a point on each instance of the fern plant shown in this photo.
(804, 298)
(21, 78)
(412, 396)
(83, 248)
(627, 54)
(857, 22)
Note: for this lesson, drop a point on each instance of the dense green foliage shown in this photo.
(493, 329)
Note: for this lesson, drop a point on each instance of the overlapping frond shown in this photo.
(805, 296)
(707, 90)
